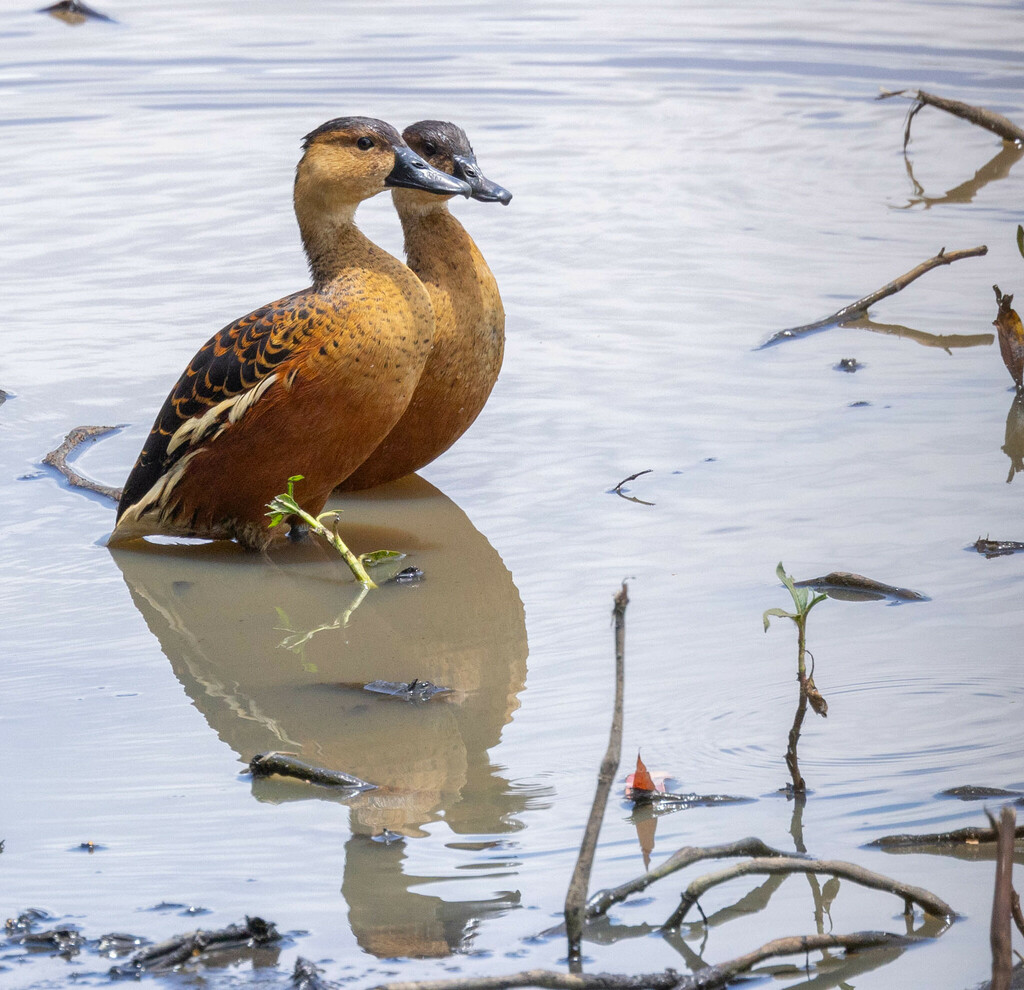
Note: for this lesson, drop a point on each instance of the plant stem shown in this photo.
(799, 787)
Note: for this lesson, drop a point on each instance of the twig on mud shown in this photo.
(833, 867)
(710, 978)
(576, 896)
(602, 900)
(858, 309)
(972, 835)
(59, 459)
(999, 935)
(988, 119)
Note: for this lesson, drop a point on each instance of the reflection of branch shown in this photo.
(680, 859)
(859, 308)
(945, 341)
(577, 893)
(992, 171)
(707, 979)
(59, 459)
(988, 119)
(848, 871)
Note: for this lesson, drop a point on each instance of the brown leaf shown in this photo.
(1011, 337)
(817, 702)
(640, 779)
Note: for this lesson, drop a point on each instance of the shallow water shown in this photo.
(687, 181)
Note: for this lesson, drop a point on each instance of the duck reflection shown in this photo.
(1013, 443)
(273, 652)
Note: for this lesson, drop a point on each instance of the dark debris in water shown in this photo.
(858, 586)
(172, 953)
(115, 944)
(188, 910)
(289, 765)
(415, 690)
(74, 12)
(849, 365)
(88, 847)
(409, 575)
(663, 801)
(65, 940)
(306, 976)
(997, 548)
(968, 792)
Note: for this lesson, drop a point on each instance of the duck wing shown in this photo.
(228, 374)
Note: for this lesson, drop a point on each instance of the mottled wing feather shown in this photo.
(231, 362)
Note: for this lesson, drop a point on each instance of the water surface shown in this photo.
(687, 180)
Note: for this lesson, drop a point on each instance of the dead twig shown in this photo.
(576, 896)
(972, 835)
(632, 498)
(709, 978)
(859, 308)
(59, 459)
(989, 119)
(833, 867)
(602, 900)
(999, 935)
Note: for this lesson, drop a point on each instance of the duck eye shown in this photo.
(430, 148)
(364, 143)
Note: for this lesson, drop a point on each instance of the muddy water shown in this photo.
(687, 181)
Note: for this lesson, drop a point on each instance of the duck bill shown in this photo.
(481, 187)
(412, 172)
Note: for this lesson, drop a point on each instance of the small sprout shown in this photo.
(284, 506)
(801, 599)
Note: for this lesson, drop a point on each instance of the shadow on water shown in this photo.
(273, 655)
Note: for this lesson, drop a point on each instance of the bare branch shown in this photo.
(59, 459)
(999, 935)
(576, 896)
(680, 859)
(837, 868)
(989, 119)
(859, 308)
(710, 978)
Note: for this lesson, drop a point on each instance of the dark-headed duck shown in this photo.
(469, 331)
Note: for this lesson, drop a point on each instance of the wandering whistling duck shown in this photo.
(469, 332)
(307, 385)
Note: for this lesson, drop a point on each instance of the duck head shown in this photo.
(445, 146)
(349, 159)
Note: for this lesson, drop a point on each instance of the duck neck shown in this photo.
(332, 240)
(428, 226)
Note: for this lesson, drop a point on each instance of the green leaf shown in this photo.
(375, 557)
(1020, 240)
(778, 612)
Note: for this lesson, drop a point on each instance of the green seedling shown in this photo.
(803, 602)
(284, 506)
